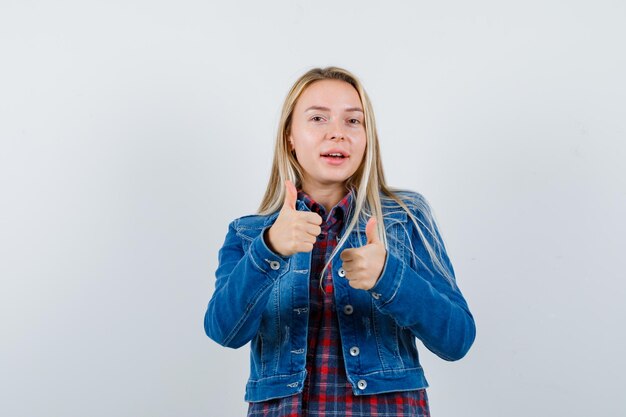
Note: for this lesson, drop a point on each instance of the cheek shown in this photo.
(304, 139)
(304, 148)
(361, 148)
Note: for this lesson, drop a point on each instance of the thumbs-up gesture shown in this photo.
(293, 231)
(364, 265)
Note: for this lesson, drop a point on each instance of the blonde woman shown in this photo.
(337, 274)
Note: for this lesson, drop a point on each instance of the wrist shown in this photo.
(268, 242)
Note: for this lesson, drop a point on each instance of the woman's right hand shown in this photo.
(293, 231)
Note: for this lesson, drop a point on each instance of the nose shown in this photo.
(336, 131)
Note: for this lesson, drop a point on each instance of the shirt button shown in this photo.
(362, 384)
(348, 309)
(341, 272)
(275, 265)
(375, 295)
(354, 351)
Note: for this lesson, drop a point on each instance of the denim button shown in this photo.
(354, 351)
(348, 309)
(341, 272)
(275, 265)
(362, 384)
(375, 295)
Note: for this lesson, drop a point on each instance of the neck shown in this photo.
(326, 195)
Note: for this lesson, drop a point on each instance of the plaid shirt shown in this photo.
(326, 390)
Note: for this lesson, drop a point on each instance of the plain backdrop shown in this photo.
(132, 132)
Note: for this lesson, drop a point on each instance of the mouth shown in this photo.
(335, 154)
(334, 158)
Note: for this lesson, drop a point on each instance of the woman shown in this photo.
(337, 274)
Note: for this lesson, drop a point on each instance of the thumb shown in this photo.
(371, 231)
(291, 195)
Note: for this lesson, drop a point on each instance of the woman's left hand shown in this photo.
(364, 265)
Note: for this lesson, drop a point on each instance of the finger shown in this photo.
(305, 247)
(291, 195)
(306, 237)
(312, 218)
(346, 255)
(352, 254)
(371, 231)
(312, 229)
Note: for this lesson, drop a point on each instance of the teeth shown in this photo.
(335, 154)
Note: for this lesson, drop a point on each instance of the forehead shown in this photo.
(329, 93)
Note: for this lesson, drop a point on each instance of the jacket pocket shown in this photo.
(387, 337)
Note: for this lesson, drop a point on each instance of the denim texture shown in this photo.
(263, 298)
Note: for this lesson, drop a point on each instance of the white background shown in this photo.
(132, 132)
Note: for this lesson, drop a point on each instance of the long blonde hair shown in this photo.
(367, 183)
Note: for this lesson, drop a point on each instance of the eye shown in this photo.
(354, 121)
(316, 118)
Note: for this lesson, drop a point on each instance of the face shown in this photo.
(328, 120)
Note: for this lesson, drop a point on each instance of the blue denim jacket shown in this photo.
(263, 298)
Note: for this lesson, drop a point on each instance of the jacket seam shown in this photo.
(254, 261)
(377, 337)
(262, 360)
(392, 370)
(397, 287)
(279, 327)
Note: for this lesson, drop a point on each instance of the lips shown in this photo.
(336, 153)
(334, 160)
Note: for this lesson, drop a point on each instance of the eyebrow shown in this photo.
(327, 109)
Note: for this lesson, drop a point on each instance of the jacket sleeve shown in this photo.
(420, 298)
(242, 288)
